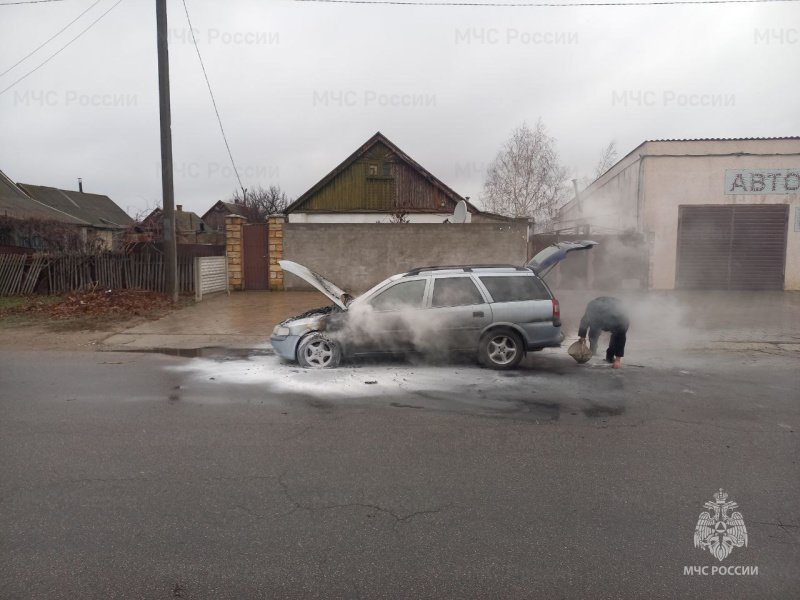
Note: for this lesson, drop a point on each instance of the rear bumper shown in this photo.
(285, 346)
(543, 335)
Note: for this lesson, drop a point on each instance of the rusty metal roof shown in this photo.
(14, 202)
(97, 210)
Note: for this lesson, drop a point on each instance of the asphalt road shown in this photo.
(150, 476)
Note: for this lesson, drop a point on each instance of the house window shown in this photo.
(373, 169)
(385, 169)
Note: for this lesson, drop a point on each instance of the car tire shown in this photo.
(501, 349)
(317, 351)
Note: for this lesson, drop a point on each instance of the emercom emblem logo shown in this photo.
(717, 531)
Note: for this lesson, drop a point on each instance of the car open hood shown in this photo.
(552, 255)
(337, 295)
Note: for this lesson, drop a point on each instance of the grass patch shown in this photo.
(8, 302)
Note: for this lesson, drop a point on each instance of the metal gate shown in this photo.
(732, 247)
(255, 251)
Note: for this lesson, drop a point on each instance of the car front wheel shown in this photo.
(318, 352)
(501, 349)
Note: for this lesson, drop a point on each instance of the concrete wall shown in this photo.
(357, 256)
(375, 217)
(105, 236)
(672, 181)
(371, 217)
(684, 173)
(609, 202)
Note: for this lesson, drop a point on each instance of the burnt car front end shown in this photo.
(286, 335)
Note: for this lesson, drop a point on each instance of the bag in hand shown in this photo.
(580, 352)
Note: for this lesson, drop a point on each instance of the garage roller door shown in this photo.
(741, 247)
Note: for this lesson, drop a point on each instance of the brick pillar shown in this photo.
(275, 252)
(233, 245)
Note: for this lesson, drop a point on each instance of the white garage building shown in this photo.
(717, 213)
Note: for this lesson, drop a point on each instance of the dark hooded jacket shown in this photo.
(604, 314)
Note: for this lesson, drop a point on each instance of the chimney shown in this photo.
(80, 185)
(577, 195)
(179, 207)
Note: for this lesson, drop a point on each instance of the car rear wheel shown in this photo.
(501, 349)
(318, 352)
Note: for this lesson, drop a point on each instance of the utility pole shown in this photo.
(167, 189)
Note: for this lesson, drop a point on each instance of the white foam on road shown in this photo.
(353, 380)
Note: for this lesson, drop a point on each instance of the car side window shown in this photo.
(515, 289)
(455, 291)
(403, 295)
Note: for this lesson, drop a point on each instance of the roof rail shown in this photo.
(465, 268)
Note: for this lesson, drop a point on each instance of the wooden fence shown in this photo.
(55, 273)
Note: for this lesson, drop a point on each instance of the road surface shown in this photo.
(149, 476)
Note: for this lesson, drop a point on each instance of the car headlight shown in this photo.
(281, 331)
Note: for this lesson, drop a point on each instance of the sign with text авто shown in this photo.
(762, 181)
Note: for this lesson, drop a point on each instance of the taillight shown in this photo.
(556, 309)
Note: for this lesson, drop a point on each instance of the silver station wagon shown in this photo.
(500, 311)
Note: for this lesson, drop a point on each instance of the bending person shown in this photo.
(606, 314)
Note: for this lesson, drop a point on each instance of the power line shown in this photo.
(542, 4)
(28, 2)
(61, 49)
(52, 38)
(213, 101)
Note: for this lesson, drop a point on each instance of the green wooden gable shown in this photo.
(378, 177)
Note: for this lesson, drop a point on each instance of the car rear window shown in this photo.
(515, 289)
(407, 294)
(455, 291)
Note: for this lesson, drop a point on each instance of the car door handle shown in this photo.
(477, 313)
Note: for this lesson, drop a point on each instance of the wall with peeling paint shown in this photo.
(356, 256)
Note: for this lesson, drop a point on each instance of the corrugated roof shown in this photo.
(96, 209)
(753, 139)
(16, 203)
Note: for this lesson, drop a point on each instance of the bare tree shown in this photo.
(526, 178)
(608, 157)
(259, 203)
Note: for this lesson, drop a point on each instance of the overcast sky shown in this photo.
(300, 86)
